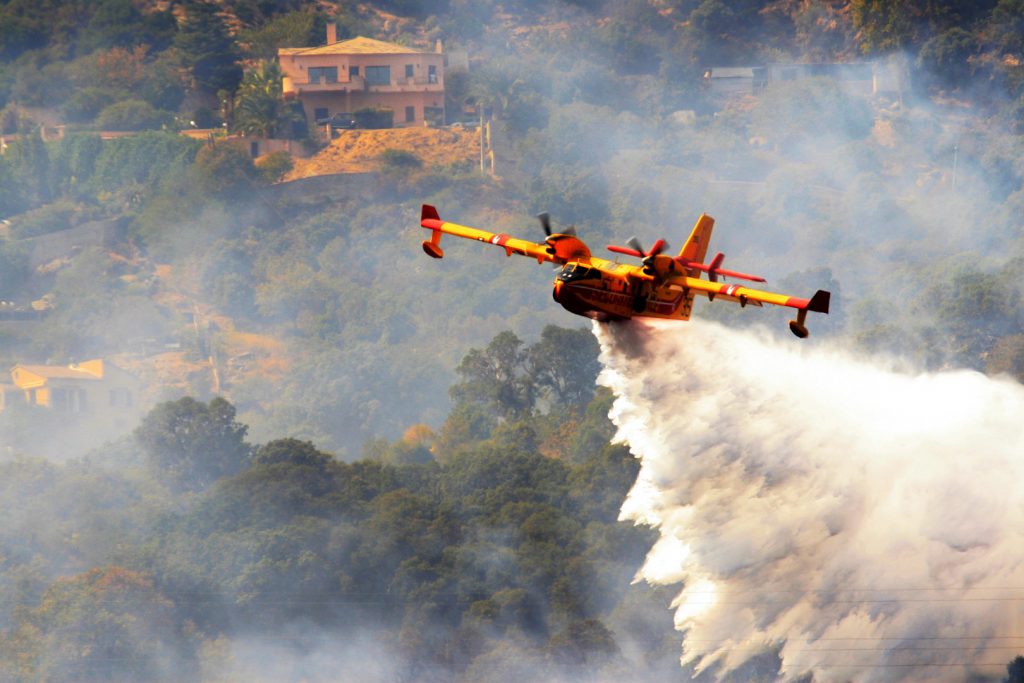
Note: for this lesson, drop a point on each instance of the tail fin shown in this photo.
(428, 213)
(819, 302)
(696, 246)
(430, 219)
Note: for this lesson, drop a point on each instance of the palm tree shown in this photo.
(260, 108)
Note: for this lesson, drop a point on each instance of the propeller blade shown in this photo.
(545, 222)
(570, 230)
(659, 246)
(635, 243)
(624, 250)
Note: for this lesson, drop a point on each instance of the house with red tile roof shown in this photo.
(362, 74)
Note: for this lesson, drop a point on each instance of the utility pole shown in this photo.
(481, 140)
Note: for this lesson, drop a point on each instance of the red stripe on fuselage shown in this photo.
(797, 303)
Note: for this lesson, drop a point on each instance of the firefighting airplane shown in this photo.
(662, 286)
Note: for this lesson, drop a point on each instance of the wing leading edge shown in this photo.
(431, 220)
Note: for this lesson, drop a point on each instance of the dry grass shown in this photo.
(359, 151)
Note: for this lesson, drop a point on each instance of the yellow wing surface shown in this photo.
(556, 249)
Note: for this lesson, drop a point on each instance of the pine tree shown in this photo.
(207, 49)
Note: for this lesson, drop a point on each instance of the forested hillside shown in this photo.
(391, 454)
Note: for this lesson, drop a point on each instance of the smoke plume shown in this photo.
(863, 522)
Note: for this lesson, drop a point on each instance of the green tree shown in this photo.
(193, 444)
(584, 641)
(260, 108)
(1015, 670)
(291, 452)
(274, 166)
(107, 624)
(207, 49)
(1006, 26)
(13, 268)
(945, 56)
(884, 25)
(29, 164)
(143, 160)
(496, 377)
(73, 162)
(120, 23)
(294, 29)
(224, 170)
(131, 115)
(564, 364)
(85, 104)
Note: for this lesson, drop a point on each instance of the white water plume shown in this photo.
(866, 524)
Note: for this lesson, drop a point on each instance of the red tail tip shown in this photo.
(429, 213)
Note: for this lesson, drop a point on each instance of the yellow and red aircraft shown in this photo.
(662, 286)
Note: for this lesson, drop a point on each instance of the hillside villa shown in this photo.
(96, 389)
(363, 73)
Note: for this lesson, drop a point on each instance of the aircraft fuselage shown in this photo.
(604, 294)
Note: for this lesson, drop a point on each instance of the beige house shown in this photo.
(363, 73)
(95, 389)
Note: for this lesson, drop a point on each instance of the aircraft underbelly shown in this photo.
(604, 304)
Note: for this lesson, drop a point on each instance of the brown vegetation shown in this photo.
(359, 151)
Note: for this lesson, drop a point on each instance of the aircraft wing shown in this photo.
(818, 303)
(557, 249)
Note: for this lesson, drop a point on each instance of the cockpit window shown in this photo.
(575, 271)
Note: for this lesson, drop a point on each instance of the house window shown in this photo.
(410, 114)
(353, 71)
(77, 402)
(408, 70)
(433, 115)
(432, 74)
(320, 114)
(378, 75)
(323, 74)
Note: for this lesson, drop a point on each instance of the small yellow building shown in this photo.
(95, 387)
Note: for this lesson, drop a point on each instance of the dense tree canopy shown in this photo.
(207, 49)
(193, 444)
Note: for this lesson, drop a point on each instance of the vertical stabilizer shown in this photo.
(696, 246)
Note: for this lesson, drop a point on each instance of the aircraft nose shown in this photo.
(558, 289)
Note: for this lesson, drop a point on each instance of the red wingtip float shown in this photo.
(662, 286)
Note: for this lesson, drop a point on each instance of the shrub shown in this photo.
(132, 115)
(400, 160)
(274, 166)
(85, 104)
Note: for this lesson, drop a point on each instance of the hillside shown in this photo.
(359, 151)
(359, 461)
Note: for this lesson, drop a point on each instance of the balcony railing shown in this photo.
(354, 84)
(359, 84)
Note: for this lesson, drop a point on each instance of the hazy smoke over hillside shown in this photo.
(863, 522)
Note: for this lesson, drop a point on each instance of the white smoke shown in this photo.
(865, 523)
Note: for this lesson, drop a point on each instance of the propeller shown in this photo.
(545, 222)
(638, 249)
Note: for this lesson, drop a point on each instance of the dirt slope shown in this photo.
(358, 151)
